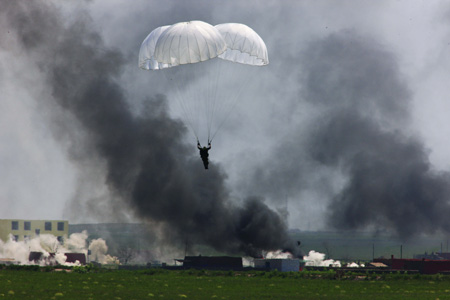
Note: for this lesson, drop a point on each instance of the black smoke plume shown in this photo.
(363, 131)
(146, 163)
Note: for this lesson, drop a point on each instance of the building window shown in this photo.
(48, 226)
(37, 232)
(27, 225)
(15, 225)
(15, 238)
(60, 239)
(60, 226)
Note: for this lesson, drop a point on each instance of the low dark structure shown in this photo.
(35, 257)
(38, 258)
(212, 262)
(74, 257)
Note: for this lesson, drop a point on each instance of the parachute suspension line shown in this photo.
(186, 113)
(214, 99)
(207, 100)
(232, 105)
(189, 99)
(197, 99)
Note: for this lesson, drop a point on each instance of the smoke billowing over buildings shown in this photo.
(145, 161)
(361, 133)
(335, 134)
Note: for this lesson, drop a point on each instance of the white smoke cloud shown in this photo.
(278, 254)
(248, 261)
(61, 259)
(47, 243)
(352, 265)
(77, 242)
(15, 250)
(99, 251)
(317, 259)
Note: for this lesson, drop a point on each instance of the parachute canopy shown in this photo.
(146, 54)
(179, 44)
(197, 41)
(214, 86)
(244, 45)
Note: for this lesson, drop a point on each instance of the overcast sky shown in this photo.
(383, 65)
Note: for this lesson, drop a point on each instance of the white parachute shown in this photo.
(244, 45)
(200, 51)
(146, 54)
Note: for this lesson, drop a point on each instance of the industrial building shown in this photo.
(23, 229)
(423, 266)
(279, 264)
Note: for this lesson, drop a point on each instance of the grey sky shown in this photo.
(41, 179)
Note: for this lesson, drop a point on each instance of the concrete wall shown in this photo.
(22, 229)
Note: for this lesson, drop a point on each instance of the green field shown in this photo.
(44, 283)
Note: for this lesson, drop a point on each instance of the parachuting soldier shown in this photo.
(204, 153)
(227, 41)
